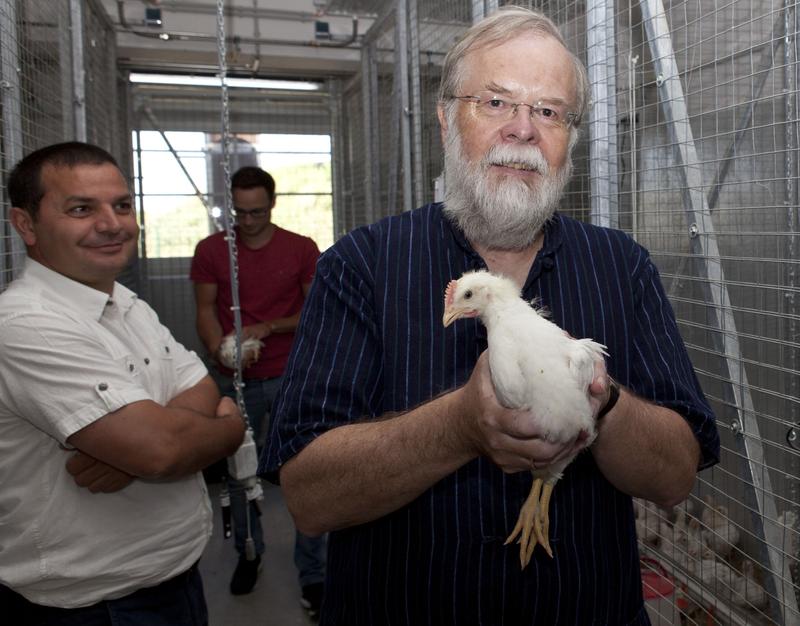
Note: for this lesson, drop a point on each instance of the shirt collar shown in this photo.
(85, 300)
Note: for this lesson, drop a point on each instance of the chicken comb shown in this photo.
(450, 293)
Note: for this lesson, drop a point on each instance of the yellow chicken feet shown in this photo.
(544, 518)
(526, 523)
(533, 522)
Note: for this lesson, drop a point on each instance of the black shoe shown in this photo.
(311, 600)
(245, 575)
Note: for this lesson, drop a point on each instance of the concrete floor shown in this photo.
(275, 601)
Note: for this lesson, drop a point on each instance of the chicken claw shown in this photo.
(533, 522)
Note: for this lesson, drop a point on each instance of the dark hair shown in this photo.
(250, 177)
(25, 181)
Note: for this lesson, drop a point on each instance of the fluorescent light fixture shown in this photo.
(213, 81)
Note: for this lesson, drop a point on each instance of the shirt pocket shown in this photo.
(160, 369)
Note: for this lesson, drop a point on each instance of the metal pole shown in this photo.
(405, 105)
(416, 99)
(337, 154)
(10, 96)
(78, 69)
(603, 113)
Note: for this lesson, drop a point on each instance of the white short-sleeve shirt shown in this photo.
(69, 355)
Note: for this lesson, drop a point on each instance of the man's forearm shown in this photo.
(647, 451)
(359, 472)
(209, 329)
(201, 398)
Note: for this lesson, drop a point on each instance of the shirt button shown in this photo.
(146, 361)
(102, 386)
(167, 349)
(130, 367)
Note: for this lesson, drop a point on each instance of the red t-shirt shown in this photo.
(271, 283)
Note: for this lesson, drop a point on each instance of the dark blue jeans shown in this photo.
(309, 552)
(178, 601)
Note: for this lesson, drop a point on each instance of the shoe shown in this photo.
(311, 598)
(245, 575)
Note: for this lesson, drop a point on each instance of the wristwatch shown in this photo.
(613, 396)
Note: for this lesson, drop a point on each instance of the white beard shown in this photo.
(508, 214)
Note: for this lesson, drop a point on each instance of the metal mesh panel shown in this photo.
(39, 54)
(706, 179)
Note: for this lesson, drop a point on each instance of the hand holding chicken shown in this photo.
(543, 373)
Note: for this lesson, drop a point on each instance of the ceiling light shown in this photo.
(214, 81)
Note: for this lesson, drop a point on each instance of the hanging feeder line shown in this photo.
(227, 211)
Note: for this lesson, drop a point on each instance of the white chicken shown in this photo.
(720, 533)
(251, 349)
(534, 365)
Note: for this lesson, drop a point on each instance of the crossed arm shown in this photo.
(146, 440)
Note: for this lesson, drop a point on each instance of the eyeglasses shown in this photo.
(254, 213)
(489, 106)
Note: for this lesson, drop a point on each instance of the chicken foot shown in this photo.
(533, 522)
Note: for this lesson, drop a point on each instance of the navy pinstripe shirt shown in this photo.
(371, 341)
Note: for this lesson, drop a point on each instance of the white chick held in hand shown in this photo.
(251, 349)
(535, 366)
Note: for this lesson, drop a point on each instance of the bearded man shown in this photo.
(388, 432)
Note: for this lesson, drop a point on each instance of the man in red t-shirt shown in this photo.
(276, 267)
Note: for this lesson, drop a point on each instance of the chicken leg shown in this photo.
(534, 522)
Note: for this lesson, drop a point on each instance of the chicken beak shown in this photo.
(451, 314)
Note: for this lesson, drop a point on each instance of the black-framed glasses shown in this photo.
(254, 213)
(493, 107)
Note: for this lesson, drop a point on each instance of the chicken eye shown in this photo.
(468, 294)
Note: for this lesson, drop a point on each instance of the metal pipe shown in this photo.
(603, 114)
(78, 69)
(401, 29)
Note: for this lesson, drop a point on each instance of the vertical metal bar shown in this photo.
(633, 115)
(401, 26)
(337, 155)
(416, 100)
(478, 10)
(483, 8)
(368, 124)
(704, 245)
(78, 69)
(11, 98)
(66, 72)
(603, 113)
